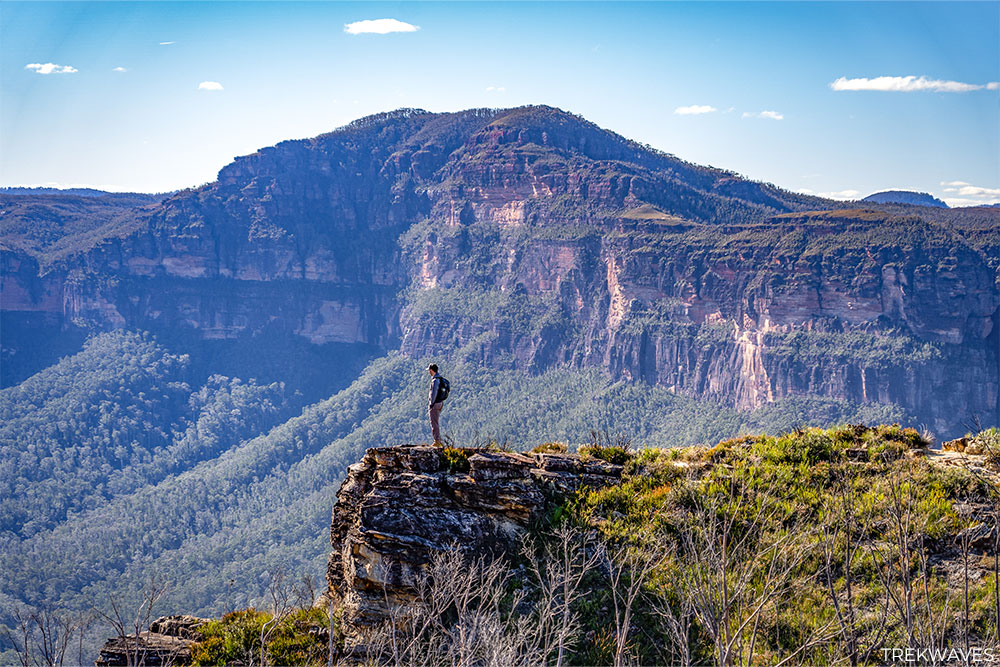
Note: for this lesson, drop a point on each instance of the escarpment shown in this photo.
(532, 237)
(401, 505)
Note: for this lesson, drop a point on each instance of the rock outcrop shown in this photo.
(401, 505)
(167, 642)
(969, 454)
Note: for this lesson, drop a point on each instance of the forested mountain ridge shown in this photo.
(532, 237)
(905, 197)
(50, 225)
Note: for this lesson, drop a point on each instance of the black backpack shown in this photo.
(443, 389)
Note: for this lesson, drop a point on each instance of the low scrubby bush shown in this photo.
(456, 458)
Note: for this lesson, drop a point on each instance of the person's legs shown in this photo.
(435, 413)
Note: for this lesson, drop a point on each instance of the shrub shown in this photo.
(456, 458)
(550, 448)
(809, 447)
(300, 639)
(987, 442)
(607, 448)
(910, 438)
(848, 435)
(235, 638)
(611, 454)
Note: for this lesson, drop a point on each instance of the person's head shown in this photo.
(432, 369)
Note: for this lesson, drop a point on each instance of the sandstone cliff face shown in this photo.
(401, 505)
(801, 305)
(302, 236)
(23, 289)
(560, 243)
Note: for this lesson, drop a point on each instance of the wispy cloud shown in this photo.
(379, 27)
(694, 110)
(771, 115)
(210, 85)
(495, 89)
(960, 193)
(909, 84)
(50, 68)
(968, 190)
(841, 195)
(119, 69)
(167, 43)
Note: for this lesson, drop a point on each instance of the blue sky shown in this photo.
(833, 98)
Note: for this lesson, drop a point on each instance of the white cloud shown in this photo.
(167, 43)
(909, 84)
(966, 190)
(957, 202)
(50, 68)
(842, 195)
(694, 110)
(379, 27)
(772, 115)
(960, 193)
(210, 85)
(119, 69)
(495, 89)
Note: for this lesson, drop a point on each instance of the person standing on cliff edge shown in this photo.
(436, 397)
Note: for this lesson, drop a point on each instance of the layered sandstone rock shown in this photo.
(401, 505)
(168, 641)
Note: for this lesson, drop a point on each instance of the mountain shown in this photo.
(136, 197)
(905, 197)
(532, 237)
(49, 224)
(186, 381)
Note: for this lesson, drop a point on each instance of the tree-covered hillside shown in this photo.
(51, 225)
(117, 469)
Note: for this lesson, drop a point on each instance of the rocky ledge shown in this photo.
(401, 505)
(168, 642)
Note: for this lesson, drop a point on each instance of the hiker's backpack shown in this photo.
(443, 389)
